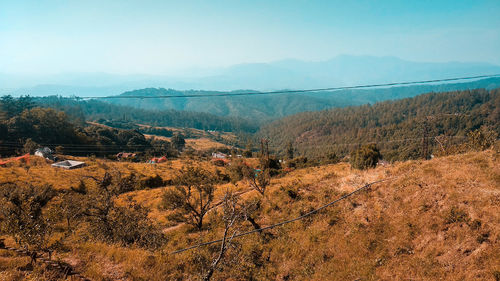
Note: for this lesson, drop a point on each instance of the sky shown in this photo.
(164, 37)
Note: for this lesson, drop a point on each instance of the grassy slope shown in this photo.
(400, 229)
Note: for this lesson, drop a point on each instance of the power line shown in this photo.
(284, 222)
(295, 91)
(110, 147)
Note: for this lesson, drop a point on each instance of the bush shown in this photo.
(219, 162)
(481, 139)
(152, 182)
(191, 197)
(23, 215)
(30, 146)
(456, 215)
(298, 162)
(247, 153)
(237, 170)
(131, 226)
(365, 157)
(496, 275)
(110, 222)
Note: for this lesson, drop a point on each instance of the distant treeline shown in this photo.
(133, 126)
(397, 127)
(263, 108)
(94, 110)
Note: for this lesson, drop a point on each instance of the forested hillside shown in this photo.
(399, 128)
(94, 110)
(24, 127)
(264, 108)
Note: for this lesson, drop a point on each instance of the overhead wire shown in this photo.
(286, 221)
(122, 146)
(229, 94)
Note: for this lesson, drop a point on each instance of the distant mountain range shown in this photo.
(264, 108)
(286, 74)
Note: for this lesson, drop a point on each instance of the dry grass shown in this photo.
(196, 144)
(39, 171)
(434, 220)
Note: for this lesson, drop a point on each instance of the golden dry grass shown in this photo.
(196, 144)
(433, 220)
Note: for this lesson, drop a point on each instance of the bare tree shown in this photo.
(191, 197)
(123, 223)
(231, 214)
(23, 213)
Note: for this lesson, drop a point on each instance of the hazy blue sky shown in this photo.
(52, 36)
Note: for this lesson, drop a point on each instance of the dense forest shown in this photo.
(93, 110)
(401, 129)
(261, 109)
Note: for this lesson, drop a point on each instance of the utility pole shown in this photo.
(425, 138)
(264, 149)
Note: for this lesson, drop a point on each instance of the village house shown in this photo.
(69, 164)
(219, 155)
(46, 153)
(125, 155)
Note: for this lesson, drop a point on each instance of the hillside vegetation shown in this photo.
(93, 110)
(263, 108)
(60, 124)
(429, 220)
(396, 127)
(275, 217)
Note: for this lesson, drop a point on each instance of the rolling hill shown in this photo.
(430, 220)
(397, 127)
(264, 108)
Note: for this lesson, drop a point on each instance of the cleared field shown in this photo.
(196, 144)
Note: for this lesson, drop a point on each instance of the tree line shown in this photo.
(401, 129)
(93, 110)
(25, 126)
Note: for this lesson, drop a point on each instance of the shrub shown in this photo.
(191, 197)
(219, 162)
(481, 139)
(237, 170)
(484, 237)
(365, 157)
(475, 224)
(110, 222)
(30, 146)
(298, 162)
(456, 215)
(131, 226)
(126, 184)
(291, 191)
(330, 158)
(152, 182)
(22, 213)
(496, 275)
(247, 153)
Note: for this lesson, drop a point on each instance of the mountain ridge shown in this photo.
(290, 73)
(264, 108)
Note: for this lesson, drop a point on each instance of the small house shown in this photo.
(46, 153)
(219, 155)
(383, 163)
(156, 160)
(69, 164)
(125, 155)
